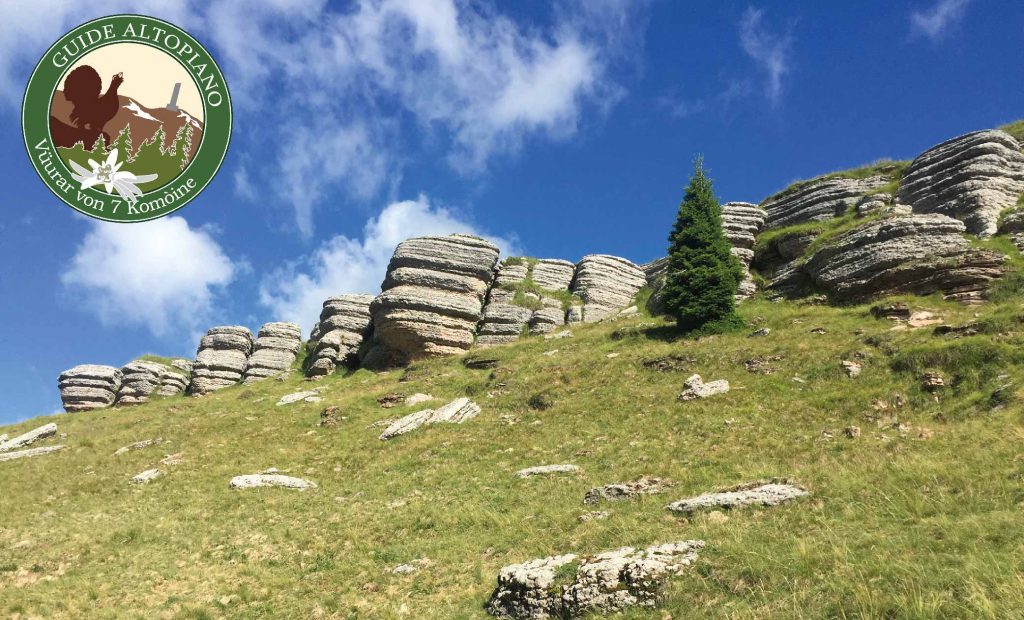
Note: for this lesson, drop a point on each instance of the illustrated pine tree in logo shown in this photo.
(182, 145)
(123, 142)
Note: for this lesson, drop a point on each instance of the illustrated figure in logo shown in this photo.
(90, 111)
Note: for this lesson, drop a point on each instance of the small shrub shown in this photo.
(541, 401)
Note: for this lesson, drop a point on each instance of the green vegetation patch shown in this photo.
(166, 361)
(1015, 129)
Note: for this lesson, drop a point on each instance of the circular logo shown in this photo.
(127, 118)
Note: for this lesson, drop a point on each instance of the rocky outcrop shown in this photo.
(221, 359)
(273, 352)
(22, 454)
(26, 439)
(502, 323)
(567, 586)
(505, 320)
(89, 386)
(606, 284)
(253, 481)
(741, 222)
(818, 200)
(917, 254)
(140, 378)
(553, 274)
(971, 178)
(175, 381)
(750, 494)
(344, 324)
(432, 298)
(456, 412)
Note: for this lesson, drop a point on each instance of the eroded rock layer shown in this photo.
(741, 222)
(89, 386)
(140, 378)
(432, 298)
(972, 178)
(274, 351)
(221, 359)
(818, 200)
(606, 284)
(344, 324)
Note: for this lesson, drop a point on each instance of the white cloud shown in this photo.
(771, 51)
(162, 274)
(935, 22)
(346, 265)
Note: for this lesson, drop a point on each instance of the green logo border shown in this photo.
(197, 175)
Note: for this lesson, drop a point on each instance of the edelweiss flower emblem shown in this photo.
(109, 173)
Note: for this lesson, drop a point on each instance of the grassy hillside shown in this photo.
(919, 517)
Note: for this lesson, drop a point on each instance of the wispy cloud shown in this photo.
(770, 50)
(935, 22)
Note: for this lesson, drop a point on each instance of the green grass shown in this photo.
(882, 166)
(527, 287)
(1015, 129)
(897, 527)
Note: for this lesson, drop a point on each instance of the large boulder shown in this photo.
(553, 274)
(917, 254)
(274, 351)
(972, 178)
(606, 284)
(818, 199)
(540, 282)
(432, 298)
(89, 386)
(140, 378)
(221, 359)
(344, 324)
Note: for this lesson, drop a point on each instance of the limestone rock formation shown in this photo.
(456, 412)
(780, 261)
(694, 388)
(741, 222)
(431, 299)
(502, 323)
(89, 386)
(344, 324)
(602, 584)
(21, 454)
(547, 319)
(253, 481)
(818, 200)
(750, 494)
(26, 439)
(146, 477)
(606, 284)
(221, 359)
(140, 378)
(626, 490)
(919, 254)
(176, 379)
(273, 352)
(546, 470)
(553, 274)
(972, 178)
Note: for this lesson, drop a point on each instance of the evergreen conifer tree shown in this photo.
(703, 275)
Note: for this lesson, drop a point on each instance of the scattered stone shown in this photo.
(750, 494)
(221, 359)
(696, 388)
(138, 445)
(972, 178)
(404, 569)
(274, 351)
(612, 355)
(431, 299)
(344, 324)
(760, 333)
(923, 318)
(566, 586)
(932, 381)
(852, 432)
(456, 412)
(762, 364)
(20, 454)
(959, 331)
(559, 335)
(146, 477)
(818, 200)
(391, 399)
(627, 490)
(593, 515)
(329, 417)
(26, 439)
(549, 353)
(252, 481)
(173, 459)
(606, 284)
(898, 311)
(819, 331)
(89, 386)
(669, 363)
(852, 368)
(309, 396)
(544, 470)
(480, 363)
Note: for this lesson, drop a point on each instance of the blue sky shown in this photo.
(558, 129)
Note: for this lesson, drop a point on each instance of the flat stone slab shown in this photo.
(25, 439)
(627, 490)
(309, 396)
(138, 445)
(695, 388)
(21, 454)
(568, 586)
(252, 481)
(146, 477)
(750, 494)
(544, 470)
(456, 412)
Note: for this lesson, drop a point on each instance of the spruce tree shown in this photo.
(703, 275)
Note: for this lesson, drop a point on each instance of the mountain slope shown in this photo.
(912, 519)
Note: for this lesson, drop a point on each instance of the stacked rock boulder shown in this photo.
(504, 321)
(973, 178)
(140, 378)
(918, 254)
(344, 324)
(274, 351)
(89, 386)
(432, 298)
(818, 199)
(221, 359)
(741, 222)
(606, 284)
(175, 380)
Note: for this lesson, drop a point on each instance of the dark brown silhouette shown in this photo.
(90, 111)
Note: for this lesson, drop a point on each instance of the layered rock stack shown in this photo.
(432, 298)
(273, 352)
(553, 274)
(175, 380)
(221, 359)
(972, 178)
(741, 222)
(344, 324)
(504, 321)
(140, 378)
(818, 200)
(918, 254)
(606, 284)
(89, 386)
